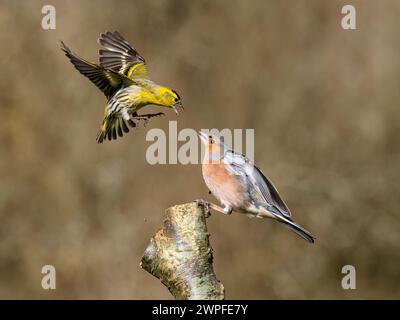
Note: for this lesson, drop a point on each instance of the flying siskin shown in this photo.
(122, 76)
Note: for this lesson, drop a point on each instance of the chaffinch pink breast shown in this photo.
(240, 186)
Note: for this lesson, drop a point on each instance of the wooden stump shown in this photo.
(180, 255)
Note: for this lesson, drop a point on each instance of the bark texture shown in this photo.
(180, 255)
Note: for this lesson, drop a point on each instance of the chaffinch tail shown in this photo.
(240, 186)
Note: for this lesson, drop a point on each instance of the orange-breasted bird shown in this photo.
(240, 186)
(122, 76)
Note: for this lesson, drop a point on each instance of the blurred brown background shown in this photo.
(324, 105)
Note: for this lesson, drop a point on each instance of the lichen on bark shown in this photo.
(180, 255)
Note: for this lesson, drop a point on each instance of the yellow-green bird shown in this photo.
(122, 76)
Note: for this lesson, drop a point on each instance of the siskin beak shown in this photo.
(177, 106)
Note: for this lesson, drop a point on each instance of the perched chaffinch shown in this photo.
(240, 186)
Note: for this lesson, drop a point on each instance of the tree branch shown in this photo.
(180, 255)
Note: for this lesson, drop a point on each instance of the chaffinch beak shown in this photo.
(203, 137)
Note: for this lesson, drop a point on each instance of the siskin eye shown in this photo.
(177, 95)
